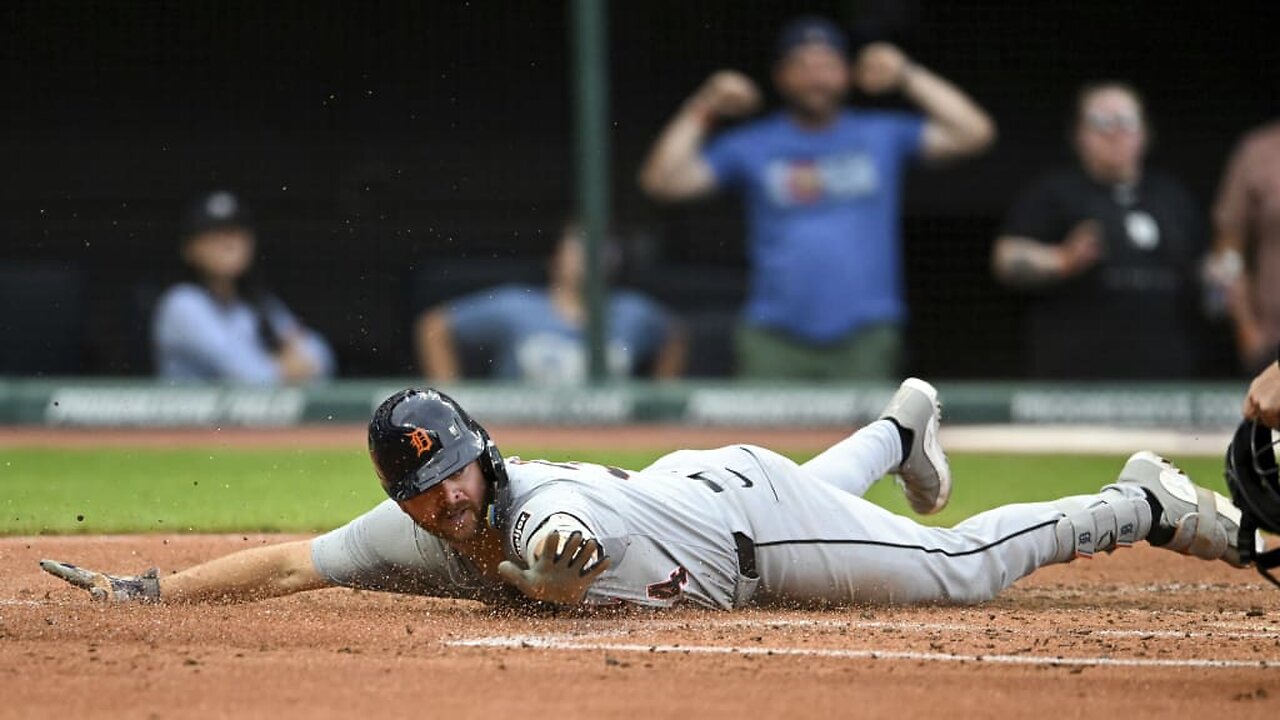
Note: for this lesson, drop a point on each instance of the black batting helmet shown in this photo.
(420, 436)
(1254, 480)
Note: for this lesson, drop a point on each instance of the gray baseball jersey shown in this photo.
(677, 529)
(720, 528)
(665, 534)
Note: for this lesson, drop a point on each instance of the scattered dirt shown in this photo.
(341, 653)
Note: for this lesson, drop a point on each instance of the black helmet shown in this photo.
(1254, 481)
(420, 436)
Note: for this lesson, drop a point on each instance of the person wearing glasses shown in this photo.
(1107, 252)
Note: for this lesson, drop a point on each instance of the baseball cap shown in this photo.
(811, 29)
(217, 210)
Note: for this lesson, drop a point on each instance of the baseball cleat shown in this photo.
(144, 587)
(923, 475)
(1186, 518)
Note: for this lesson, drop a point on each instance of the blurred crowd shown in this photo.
(1117, 266)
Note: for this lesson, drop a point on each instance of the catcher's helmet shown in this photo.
(1254, 480)
(420, 436)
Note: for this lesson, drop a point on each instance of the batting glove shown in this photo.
(558, 574)
(108, 588)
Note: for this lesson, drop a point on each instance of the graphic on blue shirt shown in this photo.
(806, 181)
(530, 340)
(822, 213)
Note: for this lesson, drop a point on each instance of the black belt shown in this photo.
(746, 555)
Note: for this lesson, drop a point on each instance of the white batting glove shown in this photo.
(558, 574)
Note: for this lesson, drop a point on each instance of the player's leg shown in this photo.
(841, 548)
(815, 543)
(904, 441)
(855, 463)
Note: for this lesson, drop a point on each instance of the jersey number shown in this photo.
(670, 588)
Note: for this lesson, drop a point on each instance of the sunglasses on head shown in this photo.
(1108, 123)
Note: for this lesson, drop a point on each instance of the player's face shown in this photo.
(813, 79)
(1111, 136)
(454, 509)
(223, 254)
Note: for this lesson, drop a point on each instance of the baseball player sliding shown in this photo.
(726, 528)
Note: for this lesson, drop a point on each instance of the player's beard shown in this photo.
(467, 524)
(460, 524)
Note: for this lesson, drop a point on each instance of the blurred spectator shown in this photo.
(538, 333)
(821, 185)
(1248, 237)
(220, 323)
(1108, 249)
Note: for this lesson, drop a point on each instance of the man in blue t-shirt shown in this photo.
(537, 334)
(821, 185)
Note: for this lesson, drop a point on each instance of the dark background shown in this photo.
(383, 142)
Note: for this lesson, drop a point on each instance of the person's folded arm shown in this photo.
(188, 326)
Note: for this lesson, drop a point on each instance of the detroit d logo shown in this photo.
(420, 441)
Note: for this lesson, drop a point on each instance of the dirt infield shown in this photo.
(1139, 634)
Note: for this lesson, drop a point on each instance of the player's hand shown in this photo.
(558, 574)
(1081, 249)
(108, 588)
(727, 94)
(1263, 401)
(880, 68)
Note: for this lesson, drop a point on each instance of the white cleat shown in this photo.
(1185, 517)
(924, 474)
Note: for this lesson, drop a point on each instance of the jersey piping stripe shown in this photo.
(763, 472)
(921, 548)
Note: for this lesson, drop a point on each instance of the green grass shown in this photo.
(123, 490)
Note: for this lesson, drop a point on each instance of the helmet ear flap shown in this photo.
(491, 460)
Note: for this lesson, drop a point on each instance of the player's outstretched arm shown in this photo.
(254, 574)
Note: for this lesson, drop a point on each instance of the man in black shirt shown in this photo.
(1108, 251)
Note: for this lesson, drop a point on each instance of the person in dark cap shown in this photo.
(220, 324)
(821, 184)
